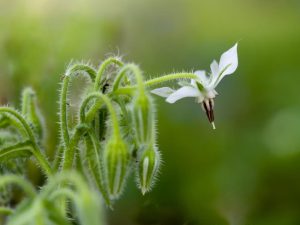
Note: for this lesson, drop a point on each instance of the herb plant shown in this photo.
(114, 135)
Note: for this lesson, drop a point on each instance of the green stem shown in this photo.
(129, 89)
(43, 162)
(58, 158)
(69, 153)
(62, 193)
(64, 179)
(71, 71)
(138, 76)
(36, 150)
(88, 116)
(107, 62)
(169, 77)
(26, 186)
(83, 68)
(63, 111)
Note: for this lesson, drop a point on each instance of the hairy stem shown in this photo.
(103, 66)
(71, 71)
(136, 72)
(13, 179)
(69, 153)
(85, 117)
(130, 89)
(36, 150)
(63, 111)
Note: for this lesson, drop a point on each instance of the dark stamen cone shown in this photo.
(207, 111)
(208, 108)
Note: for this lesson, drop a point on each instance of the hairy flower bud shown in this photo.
(143, 118)
(147, 168)
(116, 159)
(32, 112)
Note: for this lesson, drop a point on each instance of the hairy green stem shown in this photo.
(20, 181)
(71, 71)
(103, 66)
(36, 150)
(69, 177)
(81, 68)
(63, 111)
(136, 72)
(129, 89)
(85, 117)
(69, 153)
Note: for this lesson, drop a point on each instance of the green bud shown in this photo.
(32, 113)
(116, 159)
(147, 168)
(143, 119)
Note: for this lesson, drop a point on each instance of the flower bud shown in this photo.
(32, 112)
(116, 159)
(147, 168)
(143, 118)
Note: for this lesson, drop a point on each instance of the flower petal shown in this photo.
(202, 78)
(214, 67)
(163, 92)
(228, 64)
(183, 93)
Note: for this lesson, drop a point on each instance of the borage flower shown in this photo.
(203, 87)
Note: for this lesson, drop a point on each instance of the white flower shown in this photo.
(203, 87)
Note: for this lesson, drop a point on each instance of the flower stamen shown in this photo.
(207, 106)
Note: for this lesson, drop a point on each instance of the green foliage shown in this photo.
(114, 128)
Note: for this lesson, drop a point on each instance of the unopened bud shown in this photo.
(116, 159)
(143, 118)
(147, 169)
(31, 111)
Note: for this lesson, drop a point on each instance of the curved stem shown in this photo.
(43, 162)
(36, 150)
(63, 192)
(21, 119)
(83, 68)
(26, 186)
(70, 178)
(71, 71)
(137, 73)
(108, 61)
(129, 89)
(99, 97)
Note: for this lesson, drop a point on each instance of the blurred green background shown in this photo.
(245, 172)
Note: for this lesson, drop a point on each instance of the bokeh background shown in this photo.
(245, 172)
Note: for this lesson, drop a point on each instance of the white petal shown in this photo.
(203, 79)
(214, 68)
(228, 64)
(183, 93)
(163, 92)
